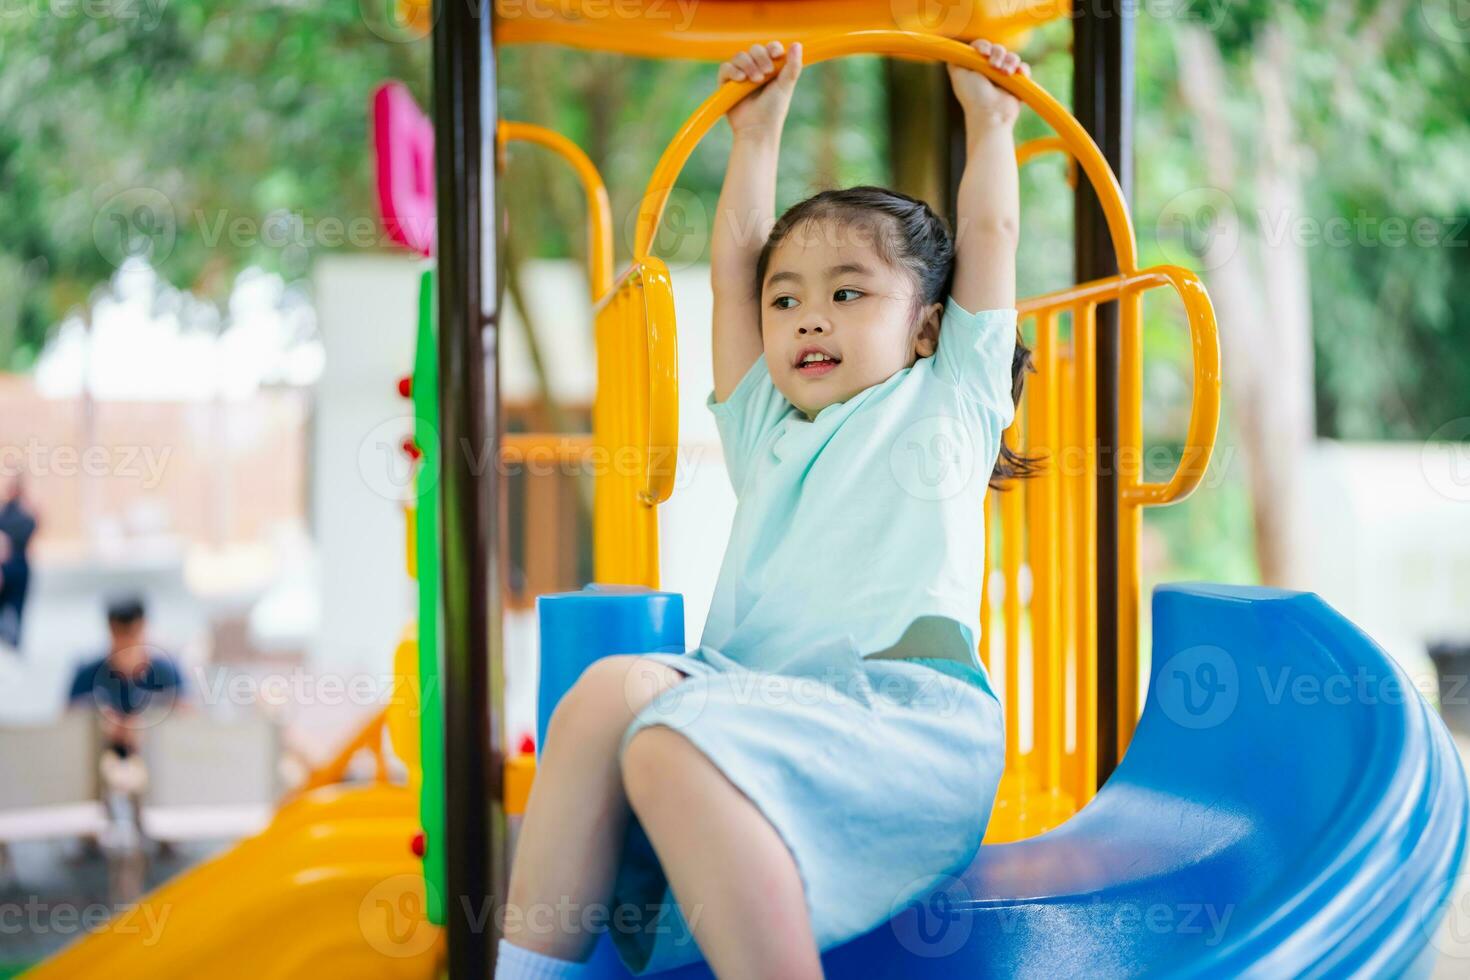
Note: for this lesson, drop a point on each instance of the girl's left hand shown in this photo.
(979, 96)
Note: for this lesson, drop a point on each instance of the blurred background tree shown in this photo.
(203, 137)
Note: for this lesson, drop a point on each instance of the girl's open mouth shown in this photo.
(816, 364)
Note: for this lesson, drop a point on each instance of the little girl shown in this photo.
(834, 742)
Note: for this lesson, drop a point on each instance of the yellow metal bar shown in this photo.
(609, 551)
(1011, 519)
(1042, 506)
(1084, 346)
(903, 44)
(662, 367)
(714, 31)
(520, 772)
(635, 423)
(1042, 145)
(645, 530)
(1031, 149)
(985, 631)
(1130, 511)
(599, 211)
(1204, 411)
(1069, 572)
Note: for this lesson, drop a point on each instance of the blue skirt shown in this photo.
(878, 774)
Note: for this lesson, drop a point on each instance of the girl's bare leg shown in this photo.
(575, 818)
(736, 882)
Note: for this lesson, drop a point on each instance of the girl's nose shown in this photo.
(812, 326)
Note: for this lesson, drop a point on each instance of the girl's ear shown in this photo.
(926, 341)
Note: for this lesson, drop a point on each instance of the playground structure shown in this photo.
(1323, 838)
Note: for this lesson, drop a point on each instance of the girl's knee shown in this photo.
(653, 764)
(608, 694)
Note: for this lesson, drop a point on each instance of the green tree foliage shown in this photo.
(204, 136)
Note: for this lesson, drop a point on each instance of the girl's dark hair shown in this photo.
(908, 235)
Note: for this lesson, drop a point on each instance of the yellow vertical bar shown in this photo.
(992, 514)
(613, 475)
(648, 513)
(1042, 548)
(1066, 464)
(625, 559)
(1011, 519)
(635, 450)
(602, 441)
(1130, 515)
(641, 517)
(1084, 333)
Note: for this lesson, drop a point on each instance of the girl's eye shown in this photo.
(784, 302)
(846, 295)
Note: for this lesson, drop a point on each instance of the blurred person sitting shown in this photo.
(17, 525)
(132, 686)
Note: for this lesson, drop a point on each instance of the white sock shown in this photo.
(518, 963)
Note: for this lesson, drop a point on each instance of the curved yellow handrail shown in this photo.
(1031, 149)
(599, 210)
(1204, 410)
(657, 289)
(902, 44)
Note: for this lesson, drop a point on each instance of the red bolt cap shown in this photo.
(417, 844)
(528, 745)
(405, 386)
(412, 448)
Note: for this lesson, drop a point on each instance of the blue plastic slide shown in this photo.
(1289, 806)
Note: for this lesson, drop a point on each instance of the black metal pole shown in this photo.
(1102, 100)
(464, 165)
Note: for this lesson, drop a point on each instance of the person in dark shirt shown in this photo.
(132, 679)
(17, 525)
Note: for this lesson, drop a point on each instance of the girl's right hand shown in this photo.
(765, 107)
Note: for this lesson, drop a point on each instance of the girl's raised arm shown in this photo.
(747, 206)
(989, 207)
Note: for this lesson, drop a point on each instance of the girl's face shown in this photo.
(836, 318)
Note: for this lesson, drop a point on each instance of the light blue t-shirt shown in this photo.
(863, 529)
